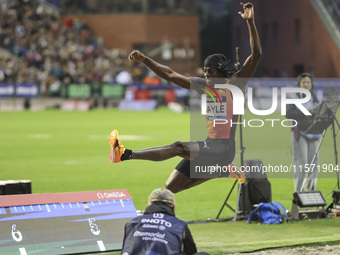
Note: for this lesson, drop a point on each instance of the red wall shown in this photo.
(317, 51)
(123, 31)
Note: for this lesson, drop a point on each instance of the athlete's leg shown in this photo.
(178, 181)
(187, 150)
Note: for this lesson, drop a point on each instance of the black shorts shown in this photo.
(214, 154)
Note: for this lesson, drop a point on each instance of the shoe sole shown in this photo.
(112, 140)
(115, 136)
(115, 153)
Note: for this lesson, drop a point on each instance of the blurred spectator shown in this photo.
(50, 49)
(124, 77)
(304, 146)
(152, 79)
(68, 22)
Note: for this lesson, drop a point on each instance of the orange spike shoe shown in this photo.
(117, 148)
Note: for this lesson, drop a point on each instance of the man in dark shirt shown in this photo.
(158, 231)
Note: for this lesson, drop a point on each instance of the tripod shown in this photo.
(325, 118)
(333, 120)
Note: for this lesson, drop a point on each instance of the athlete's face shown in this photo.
(210, 72)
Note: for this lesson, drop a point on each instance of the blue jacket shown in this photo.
(157, 232)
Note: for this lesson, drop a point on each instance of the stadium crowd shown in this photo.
(40, 47)
(43, 48)
(126, 6)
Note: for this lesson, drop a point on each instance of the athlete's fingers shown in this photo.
(248, 5)
(132, 55)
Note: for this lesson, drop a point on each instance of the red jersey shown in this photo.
(221, 123)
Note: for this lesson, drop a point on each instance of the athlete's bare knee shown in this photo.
(176, 181)
(172, 183)
(178, 146)
(181, 148)
(172, 187)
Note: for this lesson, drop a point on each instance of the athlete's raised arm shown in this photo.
(162, 71)
(249, 66)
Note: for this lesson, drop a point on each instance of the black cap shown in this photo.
(217, 61)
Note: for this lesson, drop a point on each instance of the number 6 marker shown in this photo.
(16, 234)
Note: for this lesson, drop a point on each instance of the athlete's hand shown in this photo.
(248, 9)
(137, 56)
